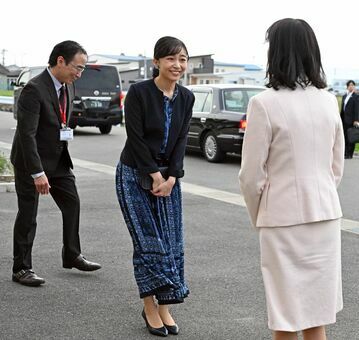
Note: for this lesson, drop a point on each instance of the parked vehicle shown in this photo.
(98, 96)
(26, 74)
(219, 118)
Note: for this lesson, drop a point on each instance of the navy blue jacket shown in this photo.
(145, 124)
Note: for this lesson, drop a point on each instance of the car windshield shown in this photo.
(236, 100)
(95, 76)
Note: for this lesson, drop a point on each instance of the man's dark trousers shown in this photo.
(64, 192)
(349, 147)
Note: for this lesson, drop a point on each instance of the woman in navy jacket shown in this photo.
(158, 112)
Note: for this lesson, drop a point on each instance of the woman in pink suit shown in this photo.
(292, 163)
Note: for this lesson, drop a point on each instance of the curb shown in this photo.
(7, 186)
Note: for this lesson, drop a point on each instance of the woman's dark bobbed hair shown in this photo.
(293, 56)
(166, 46)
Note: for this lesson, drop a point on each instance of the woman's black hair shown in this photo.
(293, 56)
(166, 46)
(66, 49)
(350, 82)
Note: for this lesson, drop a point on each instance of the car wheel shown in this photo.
(211, 150)
(105, 129)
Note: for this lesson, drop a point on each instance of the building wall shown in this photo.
(249, 77)
(128, 78)
(120, 65)
(223, 68)
(3, 82)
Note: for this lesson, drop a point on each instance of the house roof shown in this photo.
(121, 57)
(4, 70)
(247, 67)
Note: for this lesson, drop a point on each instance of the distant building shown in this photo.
(230, 73)
(202, 69)
(14, 72)
(220, 67)
(131, 68)
(3, 77)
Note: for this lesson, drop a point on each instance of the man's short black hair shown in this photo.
(66, 49)
(350, 82)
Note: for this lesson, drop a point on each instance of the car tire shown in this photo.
(105, 129)
(72, 125)
(211, 149)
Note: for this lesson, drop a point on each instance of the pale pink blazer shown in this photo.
(292, 157)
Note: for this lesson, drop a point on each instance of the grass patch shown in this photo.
(5, 166)
(6, 93)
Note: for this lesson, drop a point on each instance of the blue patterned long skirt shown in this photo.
(156, 228)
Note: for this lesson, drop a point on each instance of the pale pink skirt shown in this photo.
(301, 268)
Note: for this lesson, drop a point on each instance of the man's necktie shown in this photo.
(62, 102)
(62, 99)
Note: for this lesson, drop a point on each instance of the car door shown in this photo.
(201, 111)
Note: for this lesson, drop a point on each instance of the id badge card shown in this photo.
(66, 134)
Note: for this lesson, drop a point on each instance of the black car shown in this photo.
(219, 118)
(98, 96)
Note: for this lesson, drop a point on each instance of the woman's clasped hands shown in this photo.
(160, 186)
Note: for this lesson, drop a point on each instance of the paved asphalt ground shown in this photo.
(222, 270)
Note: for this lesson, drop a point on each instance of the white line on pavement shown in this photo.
(194, 189)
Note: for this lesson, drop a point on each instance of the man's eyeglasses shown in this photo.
(78, 68)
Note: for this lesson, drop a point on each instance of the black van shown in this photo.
(98, 96)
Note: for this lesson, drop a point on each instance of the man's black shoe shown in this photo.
(81, 263)
(28, 278)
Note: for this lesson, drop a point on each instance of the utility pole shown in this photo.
(3, 51)
(144, 66)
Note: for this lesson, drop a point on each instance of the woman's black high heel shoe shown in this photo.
(162, 331)
(172, 329)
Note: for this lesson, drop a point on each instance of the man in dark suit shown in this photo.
(42, 162)
(350, 115)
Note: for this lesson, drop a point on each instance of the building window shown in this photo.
(201, 81)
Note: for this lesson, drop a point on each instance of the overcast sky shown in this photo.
(232, 30)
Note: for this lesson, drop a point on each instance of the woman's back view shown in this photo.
(293, 156)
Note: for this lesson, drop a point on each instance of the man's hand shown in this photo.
(42, 185)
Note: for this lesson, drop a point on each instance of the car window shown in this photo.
(208, 103)
(200, 100)
(95, 76)
(24, 78)
(237, 100)
(234, 100)
(29, 74)
(252, 93)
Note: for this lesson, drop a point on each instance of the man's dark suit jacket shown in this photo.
(145, 124)
(351, 111)
(37, 146)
